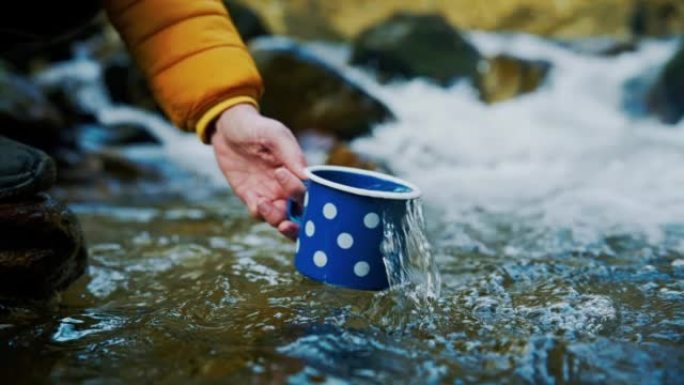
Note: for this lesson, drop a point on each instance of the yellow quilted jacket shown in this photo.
(192, 55)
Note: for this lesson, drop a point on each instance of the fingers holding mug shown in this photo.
(293, 187)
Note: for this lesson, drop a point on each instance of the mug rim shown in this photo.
(413, 194)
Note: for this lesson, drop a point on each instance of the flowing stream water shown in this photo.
(556, 221)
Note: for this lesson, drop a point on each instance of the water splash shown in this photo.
(407, 255)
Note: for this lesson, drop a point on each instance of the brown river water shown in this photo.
(191, 291)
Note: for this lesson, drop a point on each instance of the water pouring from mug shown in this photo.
(408, 257)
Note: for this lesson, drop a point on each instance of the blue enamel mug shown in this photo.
(341, 225)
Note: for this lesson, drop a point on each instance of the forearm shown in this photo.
(192, 55)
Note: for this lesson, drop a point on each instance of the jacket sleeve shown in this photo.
(192, 56)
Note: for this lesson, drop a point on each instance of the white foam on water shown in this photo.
(567, 156)
(82, 77)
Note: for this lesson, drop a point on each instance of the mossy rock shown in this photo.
(307, 94)
(409, 46)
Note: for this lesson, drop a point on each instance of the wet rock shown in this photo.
(666, 98)
(65, 102)
(305, 93)
(247, 22)
(658, 17)
(601, 46)
(41, 248)
(126, 83)
(96, 136)
(321, 148)
(27, 116)
(505, 77)
(116, 165)
(342, 155)
(409, 46)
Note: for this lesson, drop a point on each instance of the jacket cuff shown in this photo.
(206, 122)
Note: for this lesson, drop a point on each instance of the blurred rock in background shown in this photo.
(247, 21)
(409, 45)
(342, 155)
(324, 148)
(657, 17)
(306, 94)
(504, 77)
(126, 83)
(26, 115)
(37, 43)
(560, 19)
(666, 97)
(600, 46)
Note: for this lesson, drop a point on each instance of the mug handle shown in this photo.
(294, 211)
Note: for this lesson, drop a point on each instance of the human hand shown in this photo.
(262, 162)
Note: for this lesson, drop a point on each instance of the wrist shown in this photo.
(231, 117)
(236, 114)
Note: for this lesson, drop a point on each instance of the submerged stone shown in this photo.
(410, 46)
(306, 94)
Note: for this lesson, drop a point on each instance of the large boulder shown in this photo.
(247, 22)
(505, 77)
(409, 46)
(666, 97)
(305, 93)
(41, 248)
(41, 245)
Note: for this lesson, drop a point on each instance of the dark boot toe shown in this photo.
(24, 170)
